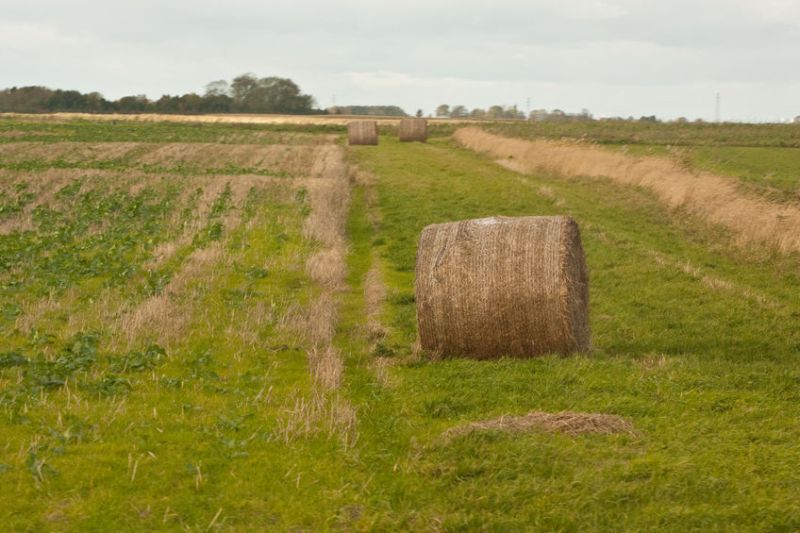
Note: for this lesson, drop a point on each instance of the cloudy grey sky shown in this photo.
(614, 57)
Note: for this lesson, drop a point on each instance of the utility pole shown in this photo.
(716, 110)
(528, 107)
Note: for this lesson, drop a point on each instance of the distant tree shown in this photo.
(245, 93)
(133, 104)
(282, 95)
(495, 111)
(95, 103)
(797, 119)
(381, 110)
(242, 86)
(219, 103)
(166, 104)
(67, 101)
(538, 115)
(458, 111)
(513, 113)
(269, 95)
(419, 113)
(218, 88)
(443, 110)
(31, 99)
(477, 113)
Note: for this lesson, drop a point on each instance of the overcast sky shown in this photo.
(613, 57)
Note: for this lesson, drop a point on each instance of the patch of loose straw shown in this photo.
(566, 422)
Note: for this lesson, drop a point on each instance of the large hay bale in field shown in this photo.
(362, 132)
(502, 286)
(413, 129)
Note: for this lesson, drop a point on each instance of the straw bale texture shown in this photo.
(499, 286)
(413, 129)
(362, 132)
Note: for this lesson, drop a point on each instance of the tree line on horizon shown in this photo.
(496, 112)
(244, 94)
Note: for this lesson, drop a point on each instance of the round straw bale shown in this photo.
(362, 132)
(413, 129)
(502, 286)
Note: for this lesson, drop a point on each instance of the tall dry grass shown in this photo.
(70, 152)
(329, 199)
(165, 317)
(716, 199)
(292, 159)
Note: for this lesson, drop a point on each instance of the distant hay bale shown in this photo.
(413, 129)
(362, 132)
(500, 286)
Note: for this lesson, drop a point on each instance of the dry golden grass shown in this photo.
(45, 184)
(292, 159)
(327, 266)
(278, 137)
(326, 414)
(336, 120)
(568, 423)
(13, 134)
(71, 152)
(329, 198)
(326, 366)
(164, 317)
(716, 199)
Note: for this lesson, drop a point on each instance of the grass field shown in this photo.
(766, 157)
(768, 171)
(203, 345)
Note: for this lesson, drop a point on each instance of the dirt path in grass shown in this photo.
(711, 197)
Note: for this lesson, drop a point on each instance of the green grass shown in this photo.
(769, 171)
(765, 157)
(97, 437)
(774, 170)
(79, 130)
(659, 133)
(707, 377)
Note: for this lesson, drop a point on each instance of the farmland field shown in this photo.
(212, 326)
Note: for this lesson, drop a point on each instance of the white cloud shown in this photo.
(32, 36)
(646, 56)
